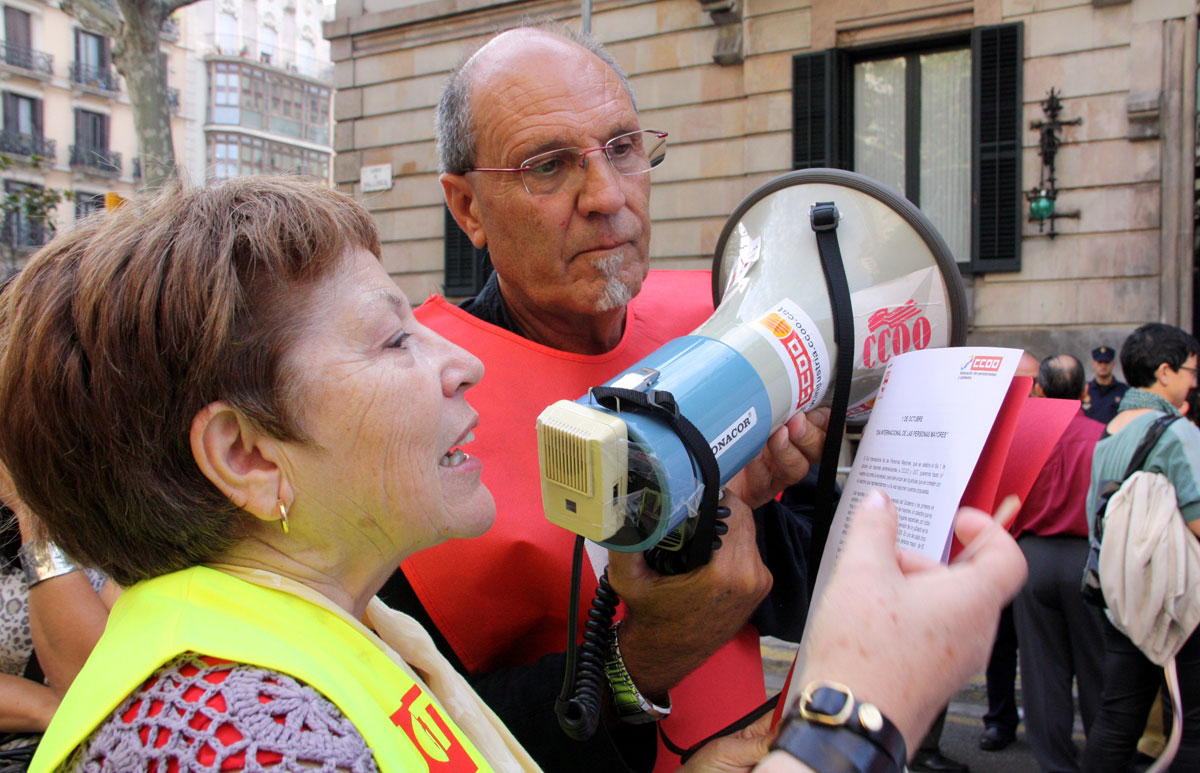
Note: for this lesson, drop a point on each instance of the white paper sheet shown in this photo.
(929, 424)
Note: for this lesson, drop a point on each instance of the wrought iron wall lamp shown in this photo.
(1042, 198)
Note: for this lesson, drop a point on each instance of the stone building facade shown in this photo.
(750, 89)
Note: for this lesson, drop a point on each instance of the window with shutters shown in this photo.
(22, 134)
(17, 49)
(93, 65)
(90, 153)
(91, 131)
(20, 229)
(18, 38)
(467, 267)
(938, 120)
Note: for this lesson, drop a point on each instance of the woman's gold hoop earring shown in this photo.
(282, 515)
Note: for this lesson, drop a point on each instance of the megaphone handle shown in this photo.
(698, 551)
(824, 219)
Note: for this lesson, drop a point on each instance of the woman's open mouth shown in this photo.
(456, 456)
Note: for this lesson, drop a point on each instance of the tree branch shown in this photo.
(97, 14)
(171, 6)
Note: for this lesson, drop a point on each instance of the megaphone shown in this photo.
(797, 325)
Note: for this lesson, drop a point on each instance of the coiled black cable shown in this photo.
(578, 704)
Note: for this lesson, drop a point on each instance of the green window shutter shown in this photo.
(817, 107)
(467, 267)
(997, 53)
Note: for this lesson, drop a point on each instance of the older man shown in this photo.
(1058, 634)
(546, 163)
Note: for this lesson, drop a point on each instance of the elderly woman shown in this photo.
(219, 397)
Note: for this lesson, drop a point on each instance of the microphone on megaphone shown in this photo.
(820, 277)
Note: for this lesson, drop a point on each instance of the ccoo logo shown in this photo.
(895, 331)
(982, 364)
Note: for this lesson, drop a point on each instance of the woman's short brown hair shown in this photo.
(120, 330)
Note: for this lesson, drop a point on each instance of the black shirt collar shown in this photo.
(489, 306)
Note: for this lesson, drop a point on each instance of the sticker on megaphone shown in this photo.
(794, 337)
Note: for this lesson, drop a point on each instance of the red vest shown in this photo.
(501, 599)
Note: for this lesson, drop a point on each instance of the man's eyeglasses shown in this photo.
(633, 153)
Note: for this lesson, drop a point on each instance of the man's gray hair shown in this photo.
(455, 135)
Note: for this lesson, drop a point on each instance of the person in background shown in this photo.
(1104, 392)
(1059, 635)
(1001, 719)
(1160, 362)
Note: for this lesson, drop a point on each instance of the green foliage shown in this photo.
(27, 213)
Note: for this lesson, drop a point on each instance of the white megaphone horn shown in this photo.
(820, 277)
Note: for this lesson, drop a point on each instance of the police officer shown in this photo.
(1104, 392)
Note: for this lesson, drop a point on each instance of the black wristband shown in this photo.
(831, 705)
(828, 749)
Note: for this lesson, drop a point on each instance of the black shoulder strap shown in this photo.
(1137, 462)
(824, 220)
(662, 405)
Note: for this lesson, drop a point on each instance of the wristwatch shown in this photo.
(827, 718)
(631, 705)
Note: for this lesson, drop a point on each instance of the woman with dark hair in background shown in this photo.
(1160, 363)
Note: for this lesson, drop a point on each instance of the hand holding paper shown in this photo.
(901, 630)
(949, 426)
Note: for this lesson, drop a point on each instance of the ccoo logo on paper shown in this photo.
(982, 364)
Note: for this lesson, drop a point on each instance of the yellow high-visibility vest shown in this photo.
(208, 612)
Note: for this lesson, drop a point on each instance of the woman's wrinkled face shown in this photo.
(380, 397)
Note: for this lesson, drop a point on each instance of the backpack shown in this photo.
(1090, 585)
(1150, 567)
(1148, 570)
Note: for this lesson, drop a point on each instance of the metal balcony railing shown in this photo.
(26, 58)
(27, 145)
(98, 161)
(99, 78)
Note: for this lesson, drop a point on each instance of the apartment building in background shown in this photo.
(265, 88)
(933, 97)
(67, 119)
